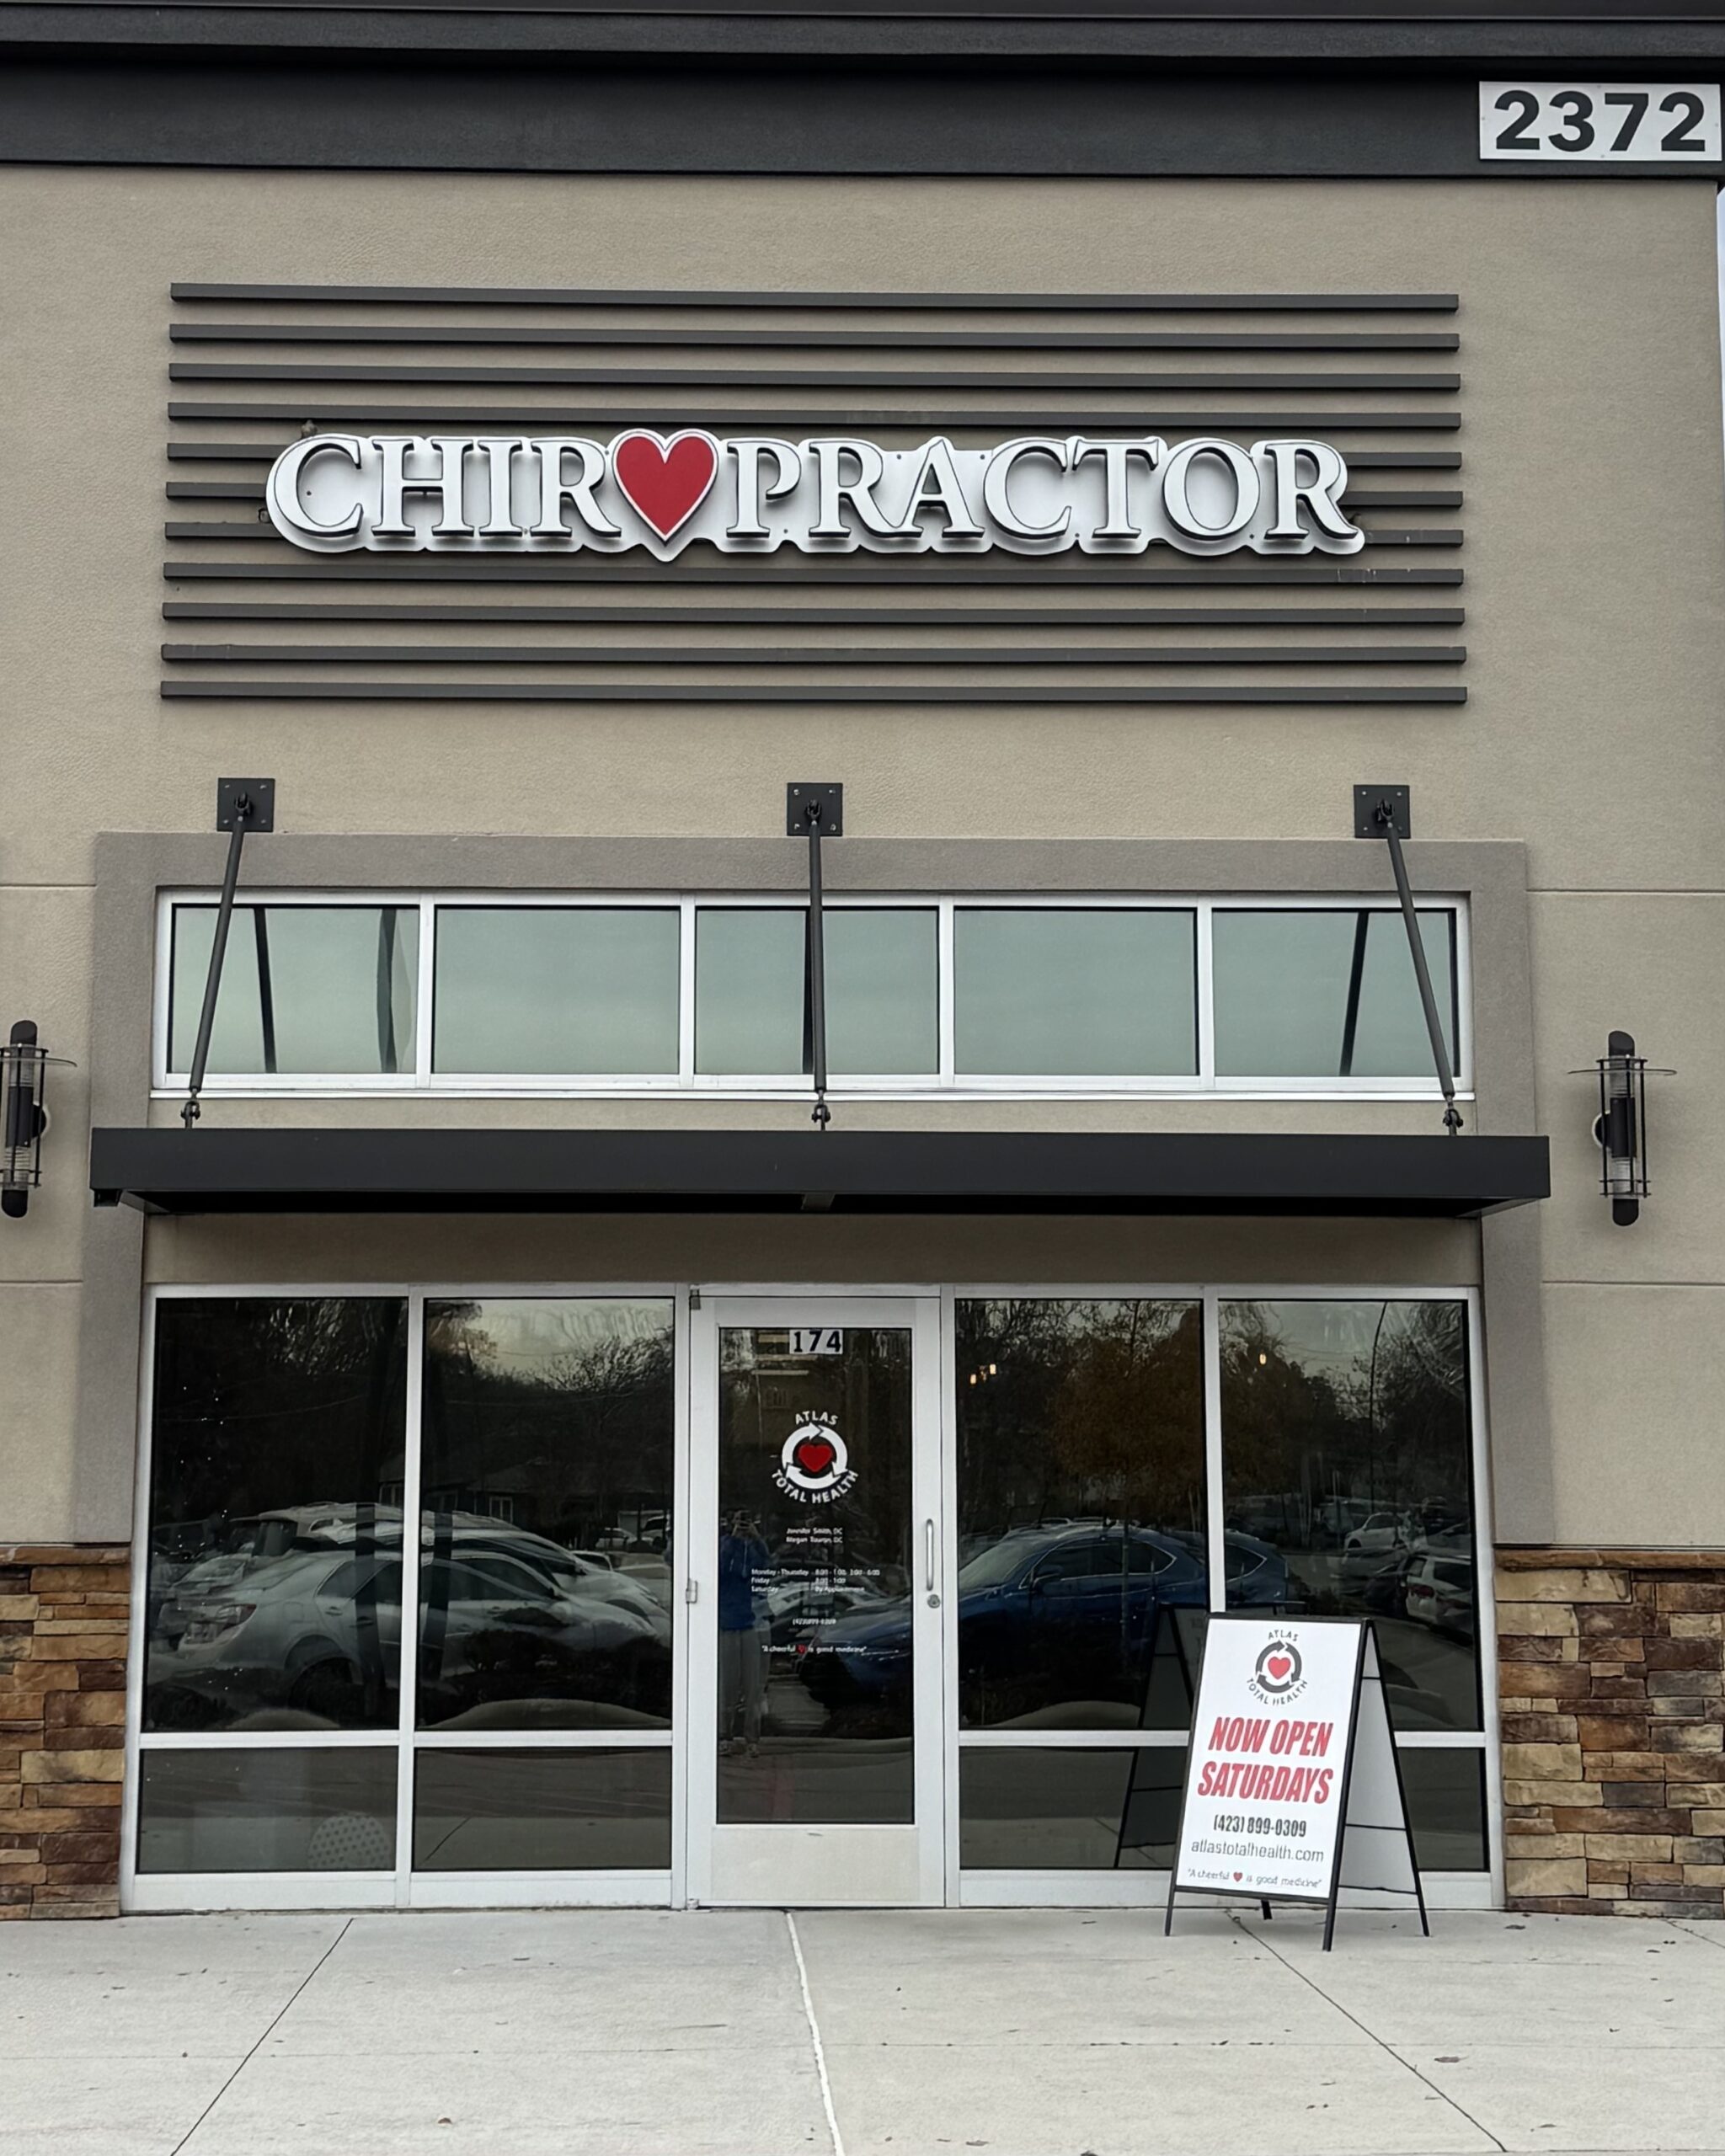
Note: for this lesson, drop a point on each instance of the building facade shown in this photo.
(1119, 470)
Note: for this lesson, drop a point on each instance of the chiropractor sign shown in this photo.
(752, 494)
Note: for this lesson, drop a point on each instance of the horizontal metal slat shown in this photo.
(830, 340)
(417, 692)
(260, 533)
(345, 654)
(1363, 459)
(429, 419)
(1017, 616)
(804, 378)
(252, 490)
(928, 571)
(1087, 302)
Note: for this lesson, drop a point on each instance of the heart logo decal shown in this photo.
(1278, 1665)
(1239, 1875)
(815, 1455)
(665, 480)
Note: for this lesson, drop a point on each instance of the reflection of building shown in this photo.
(1136, 1273)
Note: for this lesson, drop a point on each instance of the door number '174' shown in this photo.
(1574, 123)
(817, 1340)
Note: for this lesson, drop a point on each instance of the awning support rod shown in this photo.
(1384, 812)
(818, 812)
(241, 805)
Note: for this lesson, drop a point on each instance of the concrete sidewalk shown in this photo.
(1027, 2033)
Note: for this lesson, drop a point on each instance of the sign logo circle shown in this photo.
(1278, 1669)
(813, 1460)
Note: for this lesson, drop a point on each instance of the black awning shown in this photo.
(440, 1170)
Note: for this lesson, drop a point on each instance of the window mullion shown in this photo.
(408, 1671)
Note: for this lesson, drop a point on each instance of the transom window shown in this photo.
(644, 994)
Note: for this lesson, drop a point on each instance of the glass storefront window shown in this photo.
(547, 1479)
(1327, 992)
(275, 1523)
(549, 1811)
(275, 1810)
(752, 1015)
(313, 989)
(1068, 991)
(1083, 1572)
(1047, 1809)
(1347, 1450)
(816, 1649)
(545, 989)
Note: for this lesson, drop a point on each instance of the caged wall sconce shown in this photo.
(1621, 1127)
(23, 1117)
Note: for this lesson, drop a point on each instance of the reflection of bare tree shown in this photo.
(1079, 1409)
(551, 1415)
(1364, 1402)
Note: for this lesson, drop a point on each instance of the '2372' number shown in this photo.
(1612, 122)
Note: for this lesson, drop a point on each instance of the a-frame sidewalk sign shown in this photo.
(1293, 1787)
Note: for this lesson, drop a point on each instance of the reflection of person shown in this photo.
(742, 1632)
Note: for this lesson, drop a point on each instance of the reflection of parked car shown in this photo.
(1440, 1593)
(1385, 1591)
(1043, 1615)
(1371, 1543)
(320, 1632)
(1257, 1574)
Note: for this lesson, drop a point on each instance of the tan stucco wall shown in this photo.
(1595, 561)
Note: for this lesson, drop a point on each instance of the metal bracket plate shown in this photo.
(830, 800)
(1367, 801)
(259, 791)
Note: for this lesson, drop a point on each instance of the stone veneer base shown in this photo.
(63, 1615)
(1612, 1683)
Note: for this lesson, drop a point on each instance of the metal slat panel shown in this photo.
(834, 340)
(804, 378)
(851, 655)
(715, 693)
(1016, 302)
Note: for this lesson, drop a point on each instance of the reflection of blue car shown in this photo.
(1047, 1616)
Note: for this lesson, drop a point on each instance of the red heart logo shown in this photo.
(814, 1455)
(1278, 1665)
(665, 481)
(1239, 1875)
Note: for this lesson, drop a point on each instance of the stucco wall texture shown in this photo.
(1595, 561)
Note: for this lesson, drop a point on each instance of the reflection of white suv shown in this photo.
(1440, 1593)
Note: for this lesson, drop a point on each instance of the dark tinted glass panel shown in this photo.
(1035, 1809)
(1083, 1575)
(1327, 992)
(581, 989)
(750, 1003)
(1068, 991)
(545, 1566)
(815, 1608)
(306, 989)
(554, 1810)
(1446, 1802)
(213, 1811)
(1347, 1450)
(276, 1467)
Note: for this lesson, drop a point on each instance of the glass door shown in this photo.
(816, 1759)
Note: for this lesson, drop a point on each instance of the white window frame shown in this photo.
(403, 1887)
(945, 1083)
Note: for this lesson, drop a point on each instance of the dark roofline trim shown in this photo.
(216, 1170)
(308, 94)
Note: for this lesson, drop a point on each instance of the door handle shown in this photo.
(928, 1549)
